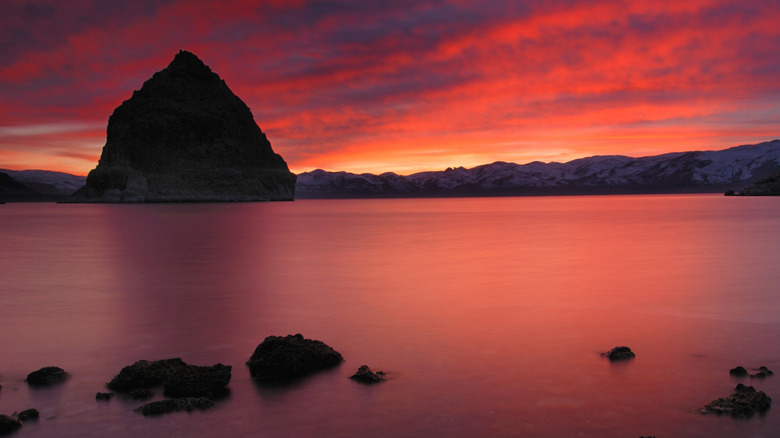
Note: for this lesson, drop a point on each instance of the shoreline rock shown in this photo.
(291, 356)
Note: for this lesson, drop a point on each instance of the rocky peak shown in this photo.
(184, 136)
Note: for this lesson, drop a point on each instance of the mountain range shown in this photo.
(680, 172)
(735, 169)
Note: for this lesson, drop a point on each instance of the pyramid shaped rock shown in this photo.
(185, 137)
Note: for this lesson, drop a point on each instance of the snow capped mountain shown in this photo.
(679, 172)
(47, 182)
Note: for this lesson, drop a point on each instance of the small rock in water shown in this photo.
(742, 403)
(739, 371)
(619, 353)
(105, 396)
(180, 404)
(8, 424)
(47, 376)
(365, 375)
(762, 372)
(27, 415)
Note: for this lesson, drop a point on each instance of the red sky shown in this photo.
(404, 86)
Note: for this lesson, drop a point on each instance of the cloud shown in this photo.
(413, 83)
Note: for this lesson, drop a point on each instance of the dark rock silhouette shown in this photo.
(27, 415)
(619, 353)
(185, 137)
(182, 404)
(141, 394)
(739, 371)
(177, 378)
(744, 402)
(280, 357)
(365, 375)
(47, 376)
(8, 424)
(762, 372)
(769, 186)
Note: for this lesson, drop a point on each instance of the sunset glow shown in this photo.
(404, 86)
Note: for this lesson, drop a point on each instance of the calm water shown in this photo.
(487, 314)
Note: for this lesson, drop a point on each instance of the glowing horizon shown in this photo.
(398, 87)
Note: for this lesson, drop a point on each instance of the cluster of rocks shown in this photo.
(761, 372)
(10, 423)
(192, 387)
(745, 400)
(43, 377)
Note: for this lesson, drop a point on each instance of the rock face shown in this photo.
(47, 376)
(185, 137)
(619, 353)
(744, 402)
(178, 378)
(291, 356)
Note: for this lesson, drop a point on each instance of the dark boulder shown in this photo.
(47, 376)
(185, 137)
(177, 378)
(8, 424)
(365, 375)
(27, 415)
(280, 357)
(744, 402)
(739, 371)
(145, 374)
(180, 404)
(104, 396)
(619, 353)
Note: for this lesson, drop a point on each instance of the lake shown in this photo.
(487, 314)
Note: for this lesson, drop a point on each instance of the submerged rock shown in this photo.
(47, 376)
(291, 356)
(177, 378)
(619, 353)
(180, 404)
(8, 424)
(185, 137)
(744, 402)
(365, 375)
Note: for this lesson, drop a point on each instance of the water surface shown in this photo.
(488, 314)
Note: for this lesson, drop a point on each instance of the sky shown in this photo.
(404, 86)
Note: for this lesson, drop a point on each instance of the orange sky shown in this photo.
(404, 86)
